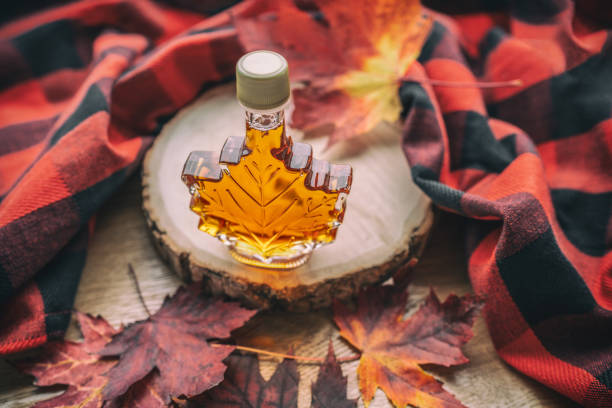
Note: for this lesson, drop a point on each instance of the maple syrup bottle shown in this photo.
(265, 196)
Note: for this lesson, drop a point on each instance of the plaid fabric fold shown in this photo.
(531, 166)
(83, 89)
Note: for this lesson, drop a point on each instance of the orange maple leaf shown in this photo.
(393, 347)
(349, 55)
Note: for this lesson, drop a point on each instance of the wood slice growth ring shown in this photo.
(386, 222)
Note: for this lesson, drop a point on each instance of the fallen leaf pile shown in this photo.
(167, 359)
(349, 55)
(392, 348)
(162, 357)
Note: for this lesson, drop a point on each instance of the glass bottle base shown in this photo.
(273, 264)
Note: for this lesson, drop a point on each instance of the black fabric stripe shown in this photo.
(23, 135)
(582, 340)
(441, 194)
(537, 11)
(606, 378)
(413, 96)
(6, 287)
(471, 134)
(58, 282)
(32, 240)
(490, 41)
(438, 31)
(50, 47)
(207, 8)
(582, 97)
(584, 218)
(13, 68)
(543, 283)
(467, 6)
(93, 102)
(88, 201)
(15, 9)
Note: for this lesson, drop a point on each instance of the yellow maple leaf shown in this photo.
(351, 58)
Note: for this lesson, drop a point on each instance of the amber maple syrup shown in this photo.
(265, 196)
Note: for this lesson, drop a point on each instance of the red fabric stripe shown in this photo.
(455, 99)
(514, 59)
(41, 186)
(572, 162)
(529, 356)
(181, 79)
(90, 143)
(474, 27)
(168, 80)
(574, 49)
(27, 101)
(478, 179)
(61, 85)
(502, 129)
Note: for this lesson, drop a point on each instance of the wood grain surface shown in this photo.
(386, 221)
(121, 237)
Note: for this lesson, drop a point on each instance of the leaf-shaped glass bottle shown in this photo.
(265, 196)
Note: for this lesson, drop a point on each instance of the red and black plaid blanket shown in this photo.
(86, 86)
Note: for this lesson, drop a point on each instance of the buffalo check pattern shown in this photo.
(85, 86)
(530, 166)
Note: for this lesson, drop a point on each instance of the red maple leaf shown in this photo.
(143, 394)
(393, 347)
(174, 342)
(72, 364)
(349, 55)
(329, 391)
(244, 386)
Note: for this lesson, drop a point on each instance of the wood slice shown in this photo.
(386, 223)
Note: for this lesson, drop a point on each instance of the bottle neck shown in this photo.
(265, 120)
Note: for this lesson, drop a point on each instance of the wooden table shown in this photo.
(121, 237)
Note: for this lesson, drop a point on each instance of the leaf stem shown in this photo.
(460, 84)
(290, 356)
(137, 285)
